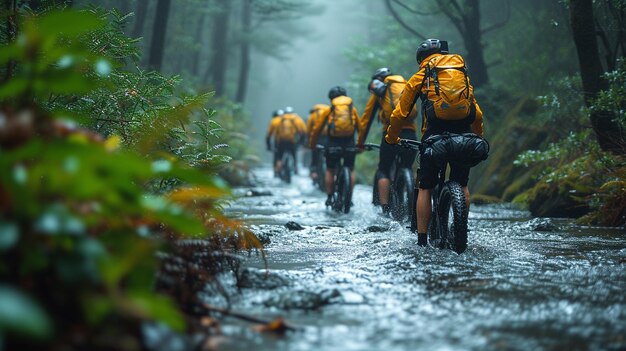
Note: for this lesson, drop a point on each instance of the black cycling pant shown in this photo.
(286, 146)
(429, 172)
(389, 152)
(334, 159)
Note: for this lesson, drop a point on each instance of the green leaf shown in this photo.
(69, 23)
(21, 315)
(97, 308)
(10, 52)
(159, 308)
(13, 88)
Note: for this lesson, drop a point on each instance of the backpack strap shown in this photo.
(330, 115)
(393, 105)
(427, 73)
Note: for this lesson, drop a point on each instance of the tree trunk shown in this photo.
(157, 46)
(11, 33)
(140, 18)
(473, 44)
(606, 128)
(195, 64)
(219, 39)
(244, 65)
(124, 6)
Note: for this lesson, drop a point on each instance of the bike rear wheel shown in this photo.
(451, 217)
(401, 195)
(344, 191)
(375, 193)
(286, 167)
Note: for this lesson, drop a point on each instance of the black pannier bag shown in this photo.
(466, 149)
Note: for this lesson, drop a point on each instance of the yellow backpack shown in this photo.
(341, 123)
(446, 93)
(287, 130)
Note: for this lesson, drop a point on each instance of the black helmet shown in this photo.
(278, 113)
(377, 87)
(429, 47)
(336, 91)
(382, 73)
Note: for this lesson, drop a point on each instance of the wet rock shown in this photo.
(264, 238)
(304, 300)
(376, 229)
(257, 193)
(320, 227)
(252, 278)
(541, 225)
(293, 226)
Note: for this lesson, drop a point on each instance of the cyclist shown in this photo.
(275, 115)
(314, 115)
(386, 89)
(286, 131)
(301, 132)
(437, 70)
(342, 120)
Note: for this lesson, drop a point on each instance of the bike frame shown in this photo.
(438, 231)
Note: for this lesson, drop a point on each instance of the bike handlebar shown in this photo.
(411, 144)
(366, 147)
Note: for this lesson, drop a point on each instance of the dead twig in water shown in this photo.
(278, 325)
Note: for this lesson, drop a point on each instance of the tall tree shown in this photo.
(244, 65)
(10, 6)
(157, 46)
(195, 69)
(465, 16)
(584, 33)
(140, 18)
(216, 71)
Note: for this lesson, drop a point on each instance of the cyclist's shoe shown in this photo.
(329, 201)
(386, 209)
(422, 239)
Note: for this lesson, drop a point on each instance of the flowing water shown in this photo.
(359, 281)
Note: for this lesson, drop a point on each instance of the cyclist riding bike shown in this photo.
(316, 154)
(302, 132)
(275, 115)
(386, 89)
(287, 130)
(448, 106)
(342, 120)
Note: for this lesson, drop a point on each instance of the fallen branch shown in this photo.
(250, 319)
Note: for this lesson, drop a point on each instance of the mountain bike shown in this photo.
(448, 224)
(342, 184)
(287, 167)
(400, 191)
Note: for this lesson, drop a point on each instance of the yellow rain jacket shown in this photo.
(316, 112)
(286, 128)
(337, 103)
(410, 94)
(395, 86)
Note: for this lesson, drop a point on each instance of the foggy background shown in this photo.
(314, 63)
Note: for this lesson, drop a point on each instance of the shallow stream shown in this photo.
(359, 281)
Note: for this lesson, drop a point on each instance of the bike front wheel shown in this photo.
(452, 217)
(344, 191)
